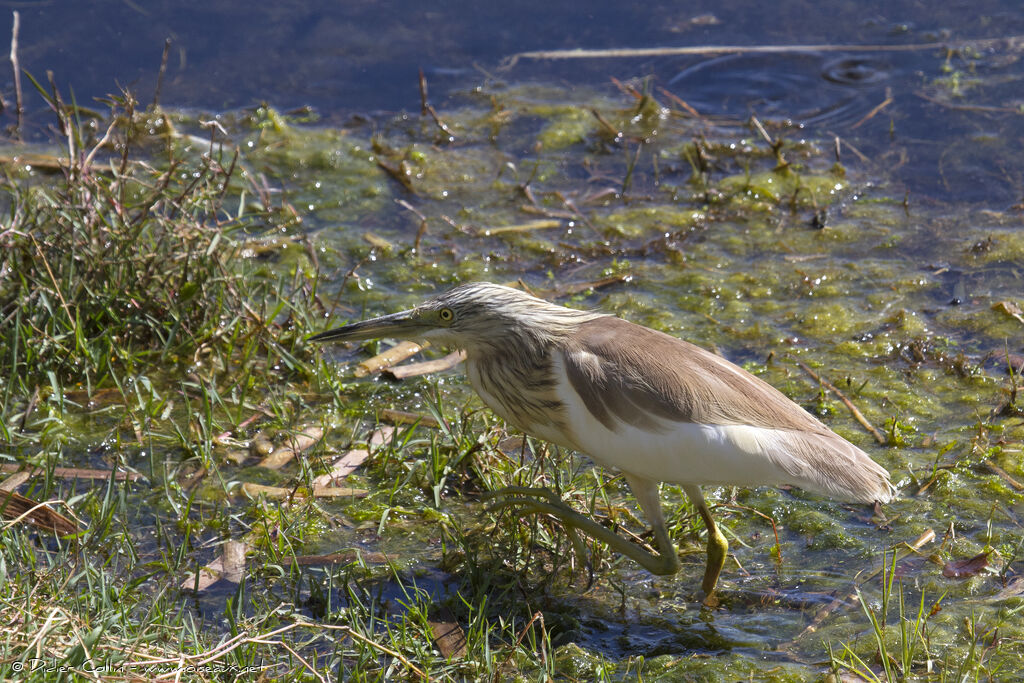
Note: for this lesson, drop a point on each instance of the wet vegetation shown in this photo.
(223, 499)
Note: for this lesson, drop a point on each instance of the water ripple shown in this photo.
(808, 88)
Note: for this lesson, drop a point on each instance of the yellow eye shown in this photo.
(446, 315)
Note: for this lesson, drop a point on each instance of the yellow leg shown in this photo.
(666, 562)
(718, 547)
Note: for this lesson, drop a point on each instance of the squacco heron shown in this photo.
(654, 407)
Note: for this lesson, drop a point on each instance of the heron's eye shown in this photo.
(446, 315)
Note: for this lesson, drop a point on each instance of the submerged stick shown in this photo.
(160, 74)
(874, 112)
(281, 493)
(73, 472)
(401, 417)
(1003, 474)
(572, 288)
(522, 227)
(630, 52)
(19, 107)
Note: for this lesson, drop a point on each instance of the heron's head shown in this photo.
(473, 316)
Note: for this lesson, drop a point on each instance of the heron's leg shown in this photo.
(646, 492)
(543, 501)
(717, 545)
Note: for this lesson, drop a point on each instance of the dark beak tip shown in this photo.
(375, 328)
(325, 336)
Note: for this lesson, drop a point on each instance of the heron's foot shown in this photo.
(718, 549)
(542, 501)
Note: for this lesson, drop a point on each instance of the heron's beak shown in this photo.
(402, 325)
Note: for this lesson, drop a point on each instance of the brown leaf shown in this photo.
(382, 435)
(18, 508)
(229, 565)
(448, 635)
(1010, 308)
(963, 569)
(342, 467)
(348, 463)
(294, 445)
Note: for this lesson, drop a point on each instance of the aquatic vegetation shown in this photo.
(156, 290)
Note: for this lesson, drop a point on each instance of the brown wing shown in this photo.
(630, 374)
(627, 372)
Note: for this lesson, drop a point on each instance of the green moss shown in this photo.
(766, 189)
(333, 170)
(827, 320)
(820, 529)
(724, 667)
(648, 220)
(565, 128)
(576, 663)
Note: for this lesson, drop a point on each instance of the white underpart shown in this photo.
(681, 452)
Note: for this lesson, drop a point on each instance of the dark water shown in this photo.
(362, 57)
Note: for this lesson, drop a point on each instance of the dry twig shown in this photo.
(847, 402)
(426, 367)
(19, 106)
(396, 354)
